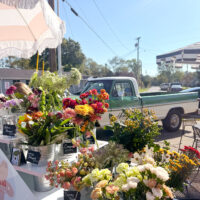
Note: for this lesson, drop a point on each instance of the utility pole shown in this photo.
(52, 52)
(59, 48)
(137, 45)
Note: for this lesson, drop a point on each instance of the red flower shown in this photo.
(83, 102)
(59, 115)
(94, 92)
(11, 90)
(106, 105)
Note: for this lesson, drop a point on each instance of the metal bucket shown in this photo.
(60, 151)
(41, 184)
(47, 153)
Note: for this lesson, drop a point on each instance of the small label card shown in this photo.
(33, 157)
(68, 148)
(72, 195)
(17, 157)
(9, 130)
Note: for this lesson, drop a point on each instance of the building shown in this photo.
(10, 76)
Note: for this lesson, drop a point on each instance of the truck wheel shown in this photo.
(173, 121)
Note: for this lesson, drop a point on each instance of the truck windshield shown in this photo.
(98, 85)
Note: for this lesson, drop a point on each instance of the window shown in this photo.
(122, 89)
(15, 81)
(27, 82)
(98, 85)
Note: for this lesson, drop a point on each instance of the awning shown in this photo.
(186, 55)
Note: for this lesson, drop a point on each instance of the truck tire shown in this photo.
(173, 121)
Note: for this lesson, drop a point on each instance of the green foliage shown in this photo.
(136, 130)
(53, 87)
(111, 155)
(45, 130)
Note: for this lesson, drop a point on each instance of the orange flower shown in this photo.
(106, 105)
(102, 184)
(103, 91)
(96, 193)
(37, 115)
(168, 191)
(111, 189)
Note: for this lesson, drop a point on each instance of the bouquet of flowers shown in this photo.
(86, 112)
(136, 129)
(43, 129)
(10, 101)
(131, 182)
(65, 175)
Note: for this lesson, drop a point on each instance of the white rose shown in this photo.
(132, 185)
(162, 174)
(125, 187)
(133, 179)
(141, 168)
(149, 196)
(157, 192)
(148, 166)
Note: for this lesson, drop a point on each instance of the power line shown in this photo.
(129, 53)
(65, 12)
(85, 22)
(110, 28)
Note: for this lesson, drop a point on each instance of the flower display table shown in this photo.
(35, 171)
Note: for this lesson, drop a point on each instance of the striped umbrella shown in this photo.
(23, 32)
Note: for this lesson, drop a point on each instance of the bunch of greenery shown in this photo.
(53, 87)
(42, 129)
(136, 129)
(111, 155)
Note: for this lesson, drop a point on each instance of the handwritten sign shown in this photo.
(33, 157)
(68, 148)
(72, 195)
(11, 184)
(9, 130)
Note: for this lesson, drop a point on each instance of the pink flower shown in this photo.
(88, 134)
(77, 120)
(91, 148)
(83, 150)
(69, 113)
(11, 90)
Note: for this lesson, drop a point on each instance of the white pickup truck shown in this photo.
(124, 93)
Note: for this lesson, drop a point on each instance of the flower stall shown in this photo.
(62, 152)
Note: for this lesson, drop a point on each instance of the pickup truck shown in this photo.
(124, 93)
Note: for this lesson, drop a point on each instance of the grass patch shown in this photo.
(143, 89)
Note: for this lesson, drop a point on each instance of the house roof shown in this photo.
(15, 74)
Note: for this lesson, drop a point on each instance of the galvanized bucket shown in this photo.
(47, 153)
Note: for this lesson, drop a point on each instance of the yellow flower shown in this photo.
(113, 118)
(84, 110)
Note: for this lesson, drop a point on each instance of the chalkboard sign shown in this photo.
(33, 157)
(90, 139)
(72, 195)
(68, 148)
(9, 130)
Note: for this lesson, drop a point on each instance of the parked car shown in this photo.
(175, 87)
(124, 94)
(194, 89)
(164, 86)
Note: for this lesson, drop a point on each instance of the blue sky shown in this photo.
(164, 25)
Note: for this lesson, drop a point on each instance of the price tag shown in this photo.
(17, 156)
(33, 157)
(9, 130)
(72, 195)
(68, 148)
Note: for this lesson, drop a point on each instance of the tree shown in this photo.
(72, 55)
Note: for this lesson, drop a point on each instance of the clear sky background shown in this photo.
(163, 25)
